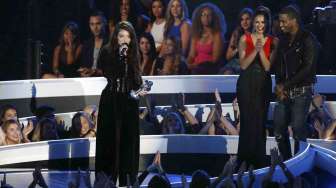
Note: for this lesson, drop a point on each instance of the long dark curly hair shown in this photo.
(134, 56)
(218, 23)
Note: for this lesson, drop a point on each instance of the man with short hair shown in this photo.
(295, 74)
(91, 48)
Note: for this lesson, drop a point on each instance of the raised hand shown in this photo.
(319, 127)
(235, 104)
(184, 181)
(180, 101)
(4, 183)
(27, 129)
(156, 165)
(87, 179)
(259, 45)
(241, 171)
(217, 95)
(38, 177)
(251, 176)
(103, 181)
(274, 157)
(280, 93)
(33, 89)
(136, 183)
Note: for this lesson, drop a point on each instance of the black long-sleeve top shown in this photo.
(121, 77)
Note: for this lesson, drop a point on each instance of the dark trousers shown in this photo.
(291, 112)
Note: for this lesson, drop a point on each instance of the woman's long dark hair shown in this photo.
(76, 125)
(164, 4)
(134, 11)
(266, 13)
(4, 109)
(152, 52)
(249, 12)
(133, 57)
(73, 28)
(218, 23)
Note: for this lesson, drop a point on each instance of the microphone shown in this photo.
(123, 49)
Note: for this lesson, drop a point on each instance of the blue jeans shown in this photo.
(291, 112)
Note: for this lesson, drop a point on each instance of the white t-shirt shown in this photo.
(157, 31)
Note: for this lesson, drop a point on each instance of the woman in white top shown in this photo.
(159, 22)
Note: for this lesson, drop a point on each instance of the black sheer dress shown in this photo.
(254, 89)
(117, 144)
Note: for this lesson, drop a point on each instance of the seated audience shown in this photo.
(147, 53)
(12, 132)
(178, 24)
(322, 125)
(91, 48)
(46, 129)
(92, 112)
(244, 26)
(171, 62)
(82, 126)
(67, 52)
(208, 30)
(200, 179)
(157, 26)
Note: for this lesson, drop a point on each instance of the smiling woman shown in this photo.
(254, 88)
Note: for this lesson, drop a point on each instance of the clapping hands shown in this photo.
(259, 45)
(280, 92)
(156, 165)
(38, 179)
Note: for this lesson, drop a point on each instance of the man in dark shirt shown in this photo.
(295, 75)
(91, 48)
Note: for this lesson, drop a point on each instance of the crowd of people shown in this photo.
(171, 40)
(169, 43)
(154, 120)
(199, 178)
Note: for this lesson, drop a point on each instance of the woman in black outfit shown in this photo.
(117, 144)
(254, 89)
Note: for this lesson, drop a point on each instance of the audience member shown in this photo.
(91, 48)
(67, 52)
(200, 179)
(147, 53)
(178, 24)
(11, 129)
(171, 62)
(244, 26)
(8, 112)
(82, 126)
(208, 30)
(46, 129)
(158, 22)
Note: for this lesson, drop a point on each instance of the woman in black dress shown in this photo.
(254, 89)
(117, 144)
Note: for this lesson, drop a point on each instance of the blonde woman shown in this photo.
(178, 24)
